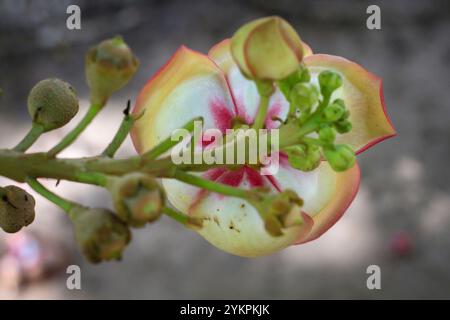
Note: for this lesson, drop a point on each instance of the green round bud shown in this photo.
(101, 235)
(16, 209)
(304, 96)
(346, 115)
(52, 103)
(138, 198)
(304, 157)
(334, 112)
(301, 75)
(329, 81)
(343, 126)
(340, 102)
(340, 157)
(327, 134)
(109, 66)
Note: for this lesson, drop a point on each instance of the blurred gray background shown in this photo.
(400, 219)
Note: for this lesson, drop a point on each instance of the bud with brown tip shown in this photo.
(16, 209)
(101, 235)
(109, 66)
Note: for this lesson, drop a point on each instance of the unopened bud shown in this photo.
(301, 75)
(101, 235)
(109, 67)
(52, 103)
(16, 209)
(304, 157)
(334, 112)
(343, 126)
(138, 198)
(329, 81)
(340, 157)
(340, 102)
(267, 49)
(304, 96)
(327, 134)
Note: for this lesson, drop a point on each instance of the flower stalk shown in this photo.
(35, 132)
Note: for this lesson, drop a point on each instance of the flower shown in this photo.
(267, 49)
(212, 86)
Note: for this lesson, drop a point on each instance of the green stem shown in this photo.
(31, 137)
(323, 104)
(210, 185)
(262, 112)
(182, 218)
(94, 109)
(168, 143)
(292, 133)
(121, 135)
(64, 204)
(94, 178)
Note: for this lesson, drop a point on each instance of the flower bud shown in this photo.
(329, 81)
(16, 209)
(340, 102)
(267, 49)
(52, 103)
(109, 66)
(334, 112)
(327, 134)
(302, 75)
(343, 126)
(340, 157)
(138, 198)
(101, 235)
(304, 96)
(303, 157)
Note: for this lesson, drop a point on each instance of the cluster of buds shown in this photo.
(269, 50)
(310, 104)
(101, 234)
